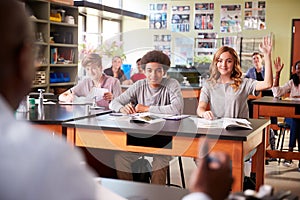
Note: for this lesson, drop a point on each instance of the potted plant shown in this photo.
(202, 63)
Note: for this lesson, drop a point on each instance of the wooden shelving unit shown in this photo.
(61, 36)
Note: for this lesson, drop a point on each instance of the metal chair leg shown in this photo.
(181, 171)
(181, 174)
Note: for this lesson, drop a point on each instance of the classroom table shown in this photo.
(171, 137)
(53, 115)
(275, 107)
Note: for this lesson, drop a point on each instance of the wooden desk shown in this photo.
(269, 106)
(55, 114)
(136, 190)
(176, 138)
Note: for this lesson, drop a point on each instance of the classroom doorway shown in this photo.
(295, 41)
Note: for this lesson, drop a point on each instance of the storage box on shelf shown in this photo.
(57, 42)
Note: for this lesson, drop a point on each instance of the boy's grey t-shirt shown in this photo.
(165, 99)
(225, 102)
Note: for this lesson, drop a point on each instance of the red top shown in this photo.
(137, 76)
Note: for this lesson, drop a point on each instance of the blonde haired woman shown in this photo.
(115, 69)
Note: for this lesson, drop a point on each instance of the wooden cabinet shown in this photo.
(57, 43)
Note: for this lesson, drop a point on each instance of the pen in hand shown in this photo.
(128, 109)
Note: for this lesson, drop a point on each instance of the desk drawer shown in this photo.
(284, 111)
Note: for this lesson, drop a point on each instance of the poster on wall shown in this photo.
(204, 16)
(162, 43)
(230, 18)
(255, 15)
(180, 19)
(158, 16)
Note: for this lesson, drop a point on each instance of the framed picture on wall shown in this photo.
(158, 16)
(180, 21)
(204, 16)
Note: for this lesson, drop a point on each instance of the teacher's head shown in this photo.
(16, 53)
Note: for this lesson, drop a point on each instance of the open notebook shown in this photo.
(226, 123)
(153, 118)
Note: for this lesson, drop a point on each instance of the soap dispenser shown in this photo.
(40, 102)
(94, 102)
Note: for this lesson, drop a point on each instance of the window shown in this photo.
(111, 30)
(112, 3)
(94, 31)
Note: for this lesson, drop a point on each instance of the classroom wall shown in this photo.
(279, 14)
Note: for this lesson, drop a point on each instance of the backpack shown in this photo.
(141, 170)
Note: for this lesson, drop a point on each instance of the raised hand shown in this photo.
(278, 65)
(266, 45)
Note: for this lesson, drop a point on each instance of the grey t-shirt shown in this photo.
(225, 102)
(166, 99)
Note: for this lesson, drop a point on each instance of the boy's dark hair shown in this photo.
(257, 53)
(295, 76)
(138, 60)
(158, 57)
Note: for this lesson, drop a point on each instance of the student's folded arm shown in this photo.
(201, 108)
(119, 102)
(203, 101)
(175, 108)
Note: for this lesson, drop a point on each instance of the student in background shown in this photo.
(115, 69)
(292, 87)
(155, 94)
(256, 72)
(137, 76)
(226, 91)
(140, 75)
(34, 164)
(92, 85)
